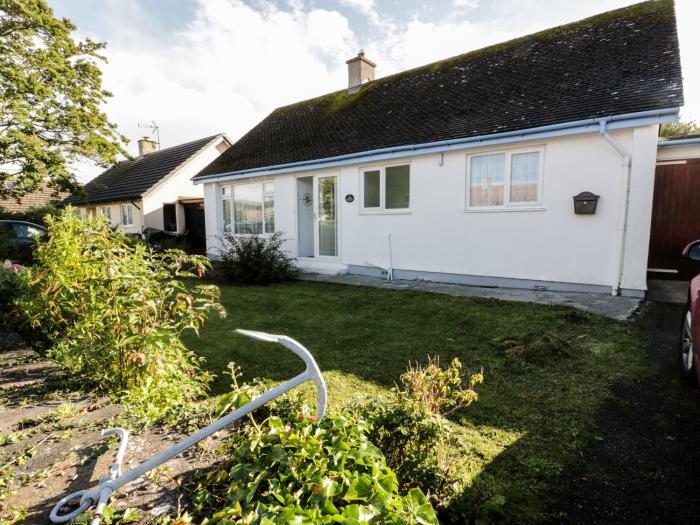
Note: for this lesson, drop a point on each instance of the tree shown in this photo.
(50, 98)
(679, 129)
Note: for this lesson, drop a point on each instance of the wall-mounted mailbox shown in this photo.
(585, 203)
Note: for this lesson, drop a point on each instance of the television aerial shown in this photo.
(155, 130)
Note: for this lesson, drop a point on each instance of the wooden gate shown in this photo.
(675, 219)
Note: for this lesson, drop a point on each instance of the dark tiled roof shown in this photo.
(130, 179)
(618, 62)
(42, 196)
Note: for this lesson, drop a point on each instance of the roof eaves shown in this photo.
(612, 122)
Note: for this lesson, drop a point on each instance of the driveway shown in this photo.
(644, 464)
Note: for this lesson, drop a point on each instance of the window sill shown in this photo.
(385, 212)
(505, 209)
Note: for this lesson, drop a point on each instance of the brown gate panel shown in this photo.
(675, 219)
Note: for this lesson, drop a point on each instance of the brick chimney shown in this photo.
(360, 71)
(147, 145)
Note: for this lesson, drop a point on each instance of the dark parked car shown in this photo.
(690, 336)
(17, 240)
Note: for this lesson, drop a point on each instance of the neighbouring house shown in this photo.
(155, 189)
(44, 195)
(465, 170)
(675, 217)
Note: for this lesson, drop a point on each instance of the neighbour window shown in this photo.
(386, 188)
(127, 214)
(248, 209)
(507, 179)
(169, 218)
(107, 212)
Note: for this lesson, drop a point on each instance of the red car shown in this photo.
(690, 352)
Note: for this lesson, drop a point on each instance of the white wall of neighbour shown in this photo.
(548, 242)
(678, 152)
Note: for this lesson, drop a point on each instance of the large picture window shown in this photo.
(505, 179)
(248, 209)
(386, 188)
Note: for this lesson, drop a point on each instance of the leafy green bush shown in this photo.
(253, 259)
(36, 214)
(10, 282)
(113, 312)
(411, 430)
(302, 471)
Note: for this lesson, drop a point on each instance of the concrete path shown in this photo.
(620, 308)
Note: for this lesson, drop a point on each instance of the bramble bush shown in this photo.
(411, 429)
(113, 310)
(254, 259)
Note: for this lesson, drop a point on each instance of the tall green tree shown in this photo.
(50, 100)
(679, 129)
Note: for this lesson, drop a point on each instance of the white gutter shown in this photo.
(628, 120)
(624, 209)
(670, 143)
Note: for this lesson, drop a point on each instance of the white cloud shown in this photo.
(465, 4)
(368, 8)
(229, 68)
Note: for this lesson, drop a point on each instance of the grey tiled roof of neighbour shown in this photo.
(619, 62)
(130, 179)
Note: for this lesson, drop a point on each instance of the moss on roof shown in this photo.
(622, 61)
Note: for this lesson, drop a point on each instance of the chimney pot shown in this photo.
(147, 145)
(360, 71)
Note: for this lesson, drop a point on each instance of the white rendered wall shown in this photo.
(547, 244)
(178, 184)
(679, 152)
(116, 214)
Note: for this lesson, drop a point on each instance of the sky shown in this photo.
(200, 67)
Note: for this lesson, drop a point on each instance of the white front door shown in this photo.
(326, 216)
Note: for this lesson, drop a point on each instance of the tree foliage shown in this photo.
(679, 129)
(50, 98)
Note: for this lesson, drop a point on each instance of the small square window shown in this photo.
(387, 188)
(127, 215)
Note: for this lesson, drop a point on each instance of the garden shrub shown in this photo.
(113, 312)
(412, 431)
(10, 282)
(35, 214)
(254, 259)
(303, 471)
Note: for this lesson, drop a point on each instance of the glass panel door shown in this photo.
(327, 217)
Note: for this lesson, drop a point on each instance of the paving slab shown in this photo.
(620, 308)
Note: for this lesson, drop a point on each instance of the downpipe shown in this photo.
(626, 185)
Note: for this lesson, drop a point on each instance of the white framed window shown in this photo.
(248, 208)
(505, 179)
(107, 212)
(127, 214)
(386, 188)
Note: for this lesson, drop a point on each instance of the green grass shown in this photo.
(535, 406)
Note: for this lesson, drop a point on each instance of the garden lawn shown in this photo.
(547, 369)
